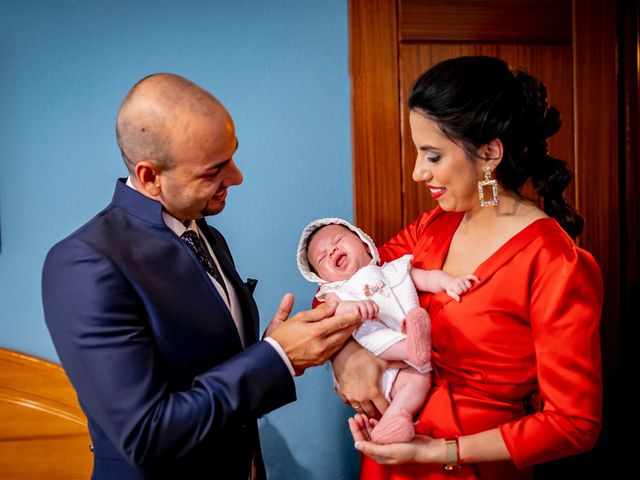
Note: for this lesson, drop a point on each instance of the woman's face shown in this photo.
(449, 174)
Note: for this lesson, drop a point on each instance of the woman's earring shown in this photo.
(491, 184)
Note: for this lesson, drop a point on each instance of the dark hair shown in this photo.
(477, 99)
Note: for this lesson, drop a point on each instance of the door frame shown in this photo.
(599, 164)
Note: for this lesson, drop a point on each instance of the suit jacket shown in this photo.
(152, 349)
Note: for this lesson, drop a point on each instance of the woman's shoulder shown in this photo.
(560, 265)
(552, 243)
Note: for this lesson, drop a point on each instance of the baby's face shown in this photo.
(336, 253)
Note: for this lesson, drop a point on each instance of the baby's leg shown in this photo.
(418, 325)
(409, 391)
(417, 346)
(408, 395)
(397, 351)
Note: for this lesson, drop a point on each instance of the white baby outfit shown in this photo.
(390, 286)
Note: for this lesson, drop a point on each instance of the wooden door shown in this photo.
(571, 46)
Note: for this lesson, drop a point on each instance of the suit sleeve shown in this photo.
(100, 331)
(565, 309)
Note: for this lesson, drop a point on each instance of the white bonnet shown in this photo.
(302, 259)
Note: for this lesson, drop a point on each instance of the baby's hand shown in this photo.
(367, 309)
(456, 286)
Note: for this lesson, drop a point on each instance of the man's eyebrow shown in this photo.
(218, 166)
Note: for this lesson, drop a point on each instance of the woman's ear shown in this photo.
(491, 153)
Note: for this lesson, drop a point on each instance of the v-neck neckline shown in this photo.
(504, 253)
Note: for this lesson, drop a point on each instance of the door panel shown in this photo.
(509, 21)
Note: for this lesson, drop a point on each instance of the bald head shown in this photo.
(151, 116)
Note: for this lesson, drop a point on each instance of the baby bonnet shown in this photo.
(301, 257)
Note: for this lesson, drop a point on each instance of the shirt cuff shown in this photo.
(276, 346)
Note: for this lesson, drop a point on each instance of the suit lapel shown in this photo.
(250, 318)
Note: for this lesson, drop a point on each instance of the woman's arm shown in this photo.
(565, 309)
(358, 373)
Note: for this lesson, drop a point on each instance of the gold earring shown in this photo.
(488, 182)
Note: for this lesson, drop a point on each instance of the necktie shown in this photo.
(192, 239)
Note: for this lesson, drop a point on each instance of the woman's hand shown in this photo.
(358, 374)
(419, 450)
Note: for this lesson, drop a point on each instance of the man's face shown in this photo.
(203, 148)
(336, 253)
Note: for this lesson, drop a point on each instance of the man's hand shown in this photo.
(310, 338)
(358, 374)
(284, 310)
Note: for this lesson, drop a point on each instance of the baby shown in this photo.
(343, 260)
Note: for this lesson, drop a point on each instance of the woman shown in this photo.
(517, 361)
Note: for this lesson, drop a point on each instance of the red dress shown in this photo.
(521, 351)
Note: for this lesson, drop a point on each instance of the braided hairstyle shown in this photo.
(477, 99)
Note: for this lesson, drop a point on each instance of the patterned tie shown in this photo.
(192, 239)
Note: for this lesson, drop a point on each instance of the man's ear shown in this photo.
(148, 178)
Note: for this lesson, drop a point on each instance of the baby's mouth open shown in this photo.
(341, 260)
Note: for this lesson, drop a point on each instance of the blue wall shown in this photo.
(280, 67)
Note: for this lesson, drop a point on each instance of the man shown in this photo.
(151, 321)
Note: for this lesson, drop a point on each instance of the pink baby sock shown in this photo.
(418, 336)
(394, 429)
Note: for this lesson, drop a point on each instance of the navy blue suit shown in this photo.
(153, 352)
